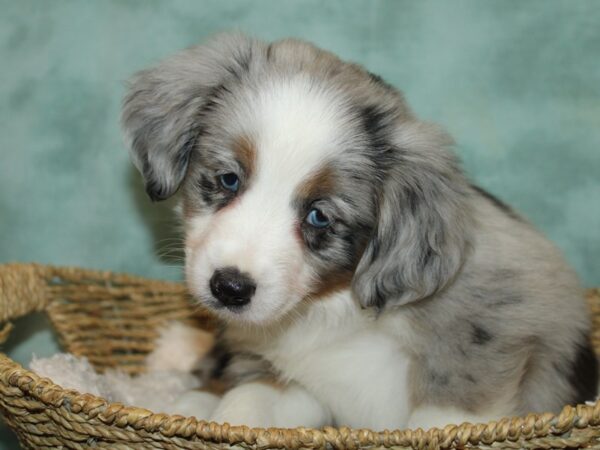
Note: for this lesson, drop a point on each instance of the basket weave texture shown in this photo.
(112, 320)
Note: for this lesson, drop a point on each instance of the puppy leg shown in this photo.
(179, 347)
(264, 404)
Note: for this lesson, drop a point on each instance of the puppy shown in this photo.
(362, 280)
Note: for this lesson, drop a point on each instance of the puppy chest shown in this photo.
(361, 378)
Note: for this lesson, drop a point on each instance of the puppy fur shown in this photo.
(425, 301)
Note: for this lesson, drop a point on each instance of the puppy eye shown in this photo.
(317, 219)
(230, 181)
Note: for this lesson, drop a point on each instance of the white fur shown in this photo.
(328, 354)
(335, 349)
(262, 405)
(341, 357)
(200, 404)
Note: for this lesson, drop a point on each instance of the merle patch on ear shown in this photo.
(160, 186)
(422, 233)
(164, 107)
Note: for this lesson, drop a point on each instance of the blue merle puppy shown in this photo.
(361, 278)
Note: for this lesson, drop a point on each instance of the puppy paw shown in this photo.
(199, 404)
(265, 405)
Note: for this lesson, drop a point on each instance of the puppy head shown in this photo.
(299, 173)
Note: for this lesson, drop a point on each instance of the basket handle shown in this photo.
(22, 291)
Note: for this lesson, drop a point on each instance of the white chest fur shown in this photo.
(347, 360)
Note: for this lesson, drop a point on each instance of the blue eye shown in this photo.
(317, 219)
(230, 181)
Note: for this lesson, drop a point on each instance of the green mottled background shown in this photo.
(516, 82)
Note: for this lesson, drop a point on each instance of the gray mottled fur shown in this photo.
(498, 315)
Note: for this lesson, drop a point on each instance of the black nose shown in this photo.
(231, 287)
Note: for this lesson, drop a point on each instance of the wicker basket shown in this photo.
(111, 319)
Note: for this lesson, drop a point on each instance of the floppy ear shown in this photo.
(163, 108)
(424, 221)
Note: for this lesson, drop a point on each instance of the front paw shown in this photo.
(199, 404)
(265, 404)
(248, 404)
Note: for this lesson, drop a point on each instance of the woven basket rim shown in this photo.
(532, 427)
(509, 429)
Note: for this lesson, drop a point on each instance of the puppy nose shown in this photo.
(231, 287)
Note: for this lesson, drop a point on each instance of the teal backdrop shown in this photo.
(517, 83)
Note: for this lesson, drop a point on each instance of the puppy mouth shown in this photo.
(217, 305)
(212, 303)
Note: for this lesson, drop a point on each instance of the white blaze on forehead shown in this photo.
(297, 124)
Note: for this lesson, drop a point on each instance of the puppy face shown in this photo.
(267, 198)
(299, 174)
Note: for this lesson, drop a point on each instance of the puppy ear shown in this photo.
(422, 233)
(163, 107)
